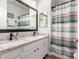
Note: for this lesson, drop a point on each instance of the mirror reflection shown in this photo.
(20, 16)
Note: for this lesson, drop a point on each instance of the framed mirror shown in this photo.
(43, 22)
(20, 17)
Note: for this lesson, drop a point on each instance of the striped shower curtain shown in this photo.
(64, 29)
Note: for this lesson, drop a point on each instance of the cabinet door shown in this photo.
(11, 54)
(39, 51)
(45, 46)
(29, 54)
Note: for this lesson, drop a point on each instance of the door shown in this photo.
(29, 54)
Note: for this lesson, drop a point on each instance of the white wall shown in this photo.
(3, 13)
(30, 2)
(44, 6)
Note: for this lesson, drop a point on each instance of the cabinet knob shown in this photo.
(37, 48)
(34, 50)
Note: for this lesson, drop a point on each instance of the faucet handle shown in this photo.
(11, 36)
(17, 37)
(34, 33)
(16, 34)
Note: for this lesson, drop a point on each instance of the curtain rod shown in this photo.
(62, 3)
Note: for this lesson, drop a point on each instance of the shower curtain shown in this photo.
(64, 29)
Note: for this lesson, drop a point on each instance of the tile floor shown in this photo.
(51, 57)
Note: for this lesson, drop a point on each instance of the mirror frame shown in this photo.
(22, 30)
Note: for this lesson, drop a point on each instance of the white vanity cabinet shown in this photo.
(29, 54)
(33, 50)
(42, 49)
(14, 54)
(39, 50)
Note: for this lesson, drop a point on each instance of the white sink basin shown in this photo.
(19, 40)
(7, 42)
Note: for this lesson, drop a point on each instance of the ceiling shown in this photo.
(17, 4)
(56, 2)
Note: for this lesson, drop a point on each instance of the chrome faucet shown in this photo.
(34, 33)
(11, 36)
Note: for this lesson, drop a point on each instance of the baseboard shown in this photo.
(60, 56)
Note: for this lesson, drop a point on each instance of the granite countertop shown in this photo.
(10, 45)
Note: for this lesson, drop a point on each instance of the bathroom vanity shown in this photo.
(35, 47)
(21, 17)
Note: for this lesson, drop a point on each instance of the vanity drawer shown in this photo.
(11, 54)
(32, 45)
